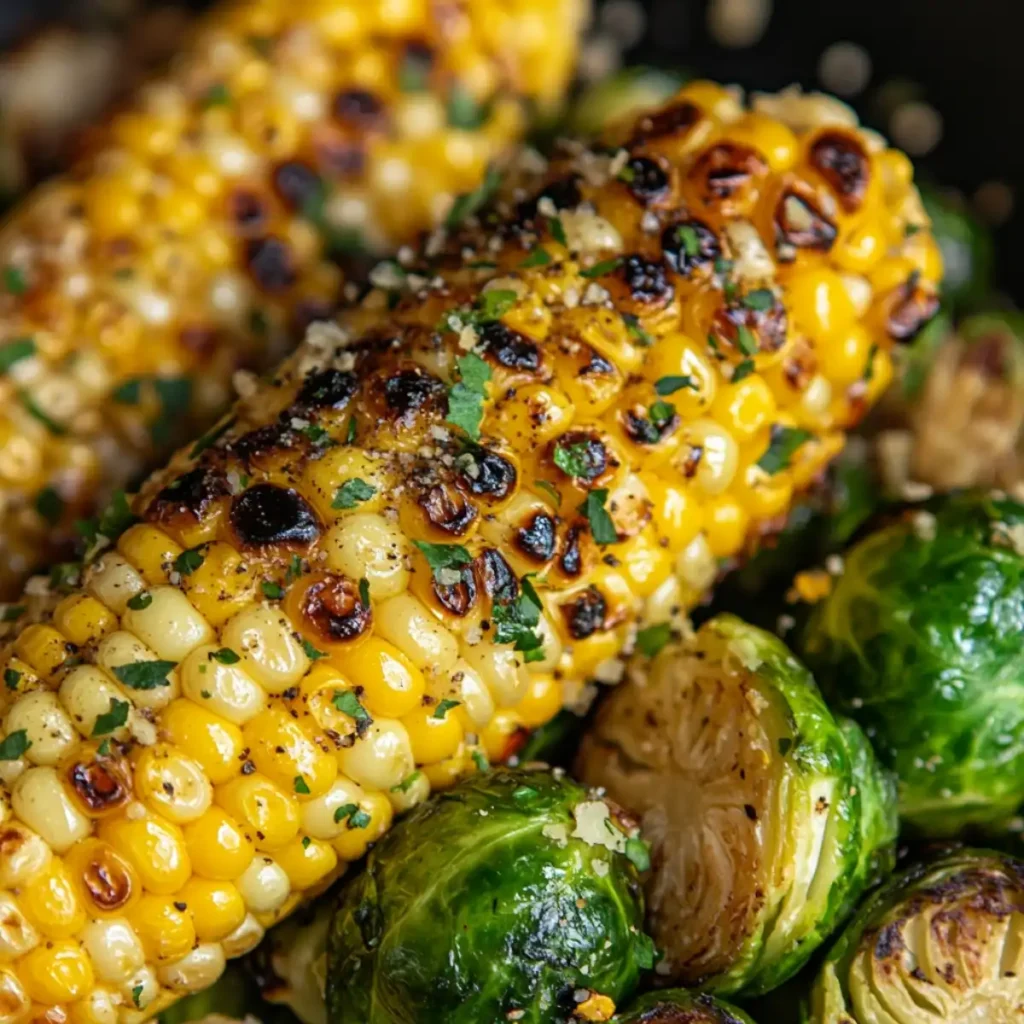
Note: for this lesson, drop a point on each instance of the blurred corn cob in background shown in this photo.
(203, 231)
(522, 454)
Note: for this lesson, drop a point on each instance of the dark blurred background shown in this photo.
(941, 78)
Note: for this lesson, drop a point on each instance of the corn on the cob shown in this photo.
(208, 219)
(432, 526)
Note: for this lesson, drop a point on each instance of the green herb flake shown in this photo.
(50, 505)
(312, 652)
(137, 996)
(760, 300)
(670, 385)
(443, 556)
(140, 601)
(517, 620)
(294, 569)
(36, 411)
(868, 373)
(636, 332)
(218, 95)
(601, 526)
(14, 745)
(784, 443)
(306, 841)
(350, 430)
(661, 413)
(128, 392)
(188, 561)
(744, 369)
(746, 341)
(271, 590)
(557, 230)
(144, 675)
(550, 490)
(651, 640)
(602, 268)
(414, 72)
(11, 678)
(356, 817)
(538, 257)
(407, 783)
(352, 493)
(364, 591)
(65, 575)
(690, 240)
(301, 786)
(14, 351)
(464, 111)
(573, 459)
(466, 397)
(113, 719)
(14, 280)
(348, 704)
(226, 656)
(470, 202)
(638, 853)
(481, 762)
(443, 707)
(104, 749)
(12, 613)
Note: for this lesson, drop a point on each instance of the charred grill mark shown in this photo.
(645, 179)
(269, 262)
(585, 614)
(359, 108)
(571, 558)
(642, 429)
(333, 609)
(107, 880)
(596, 365)
(536, 539)
(189, 496)
(675, 120)
(296, 183)
(725, 170)
(564, 194)
(410, 392)
(261, 442)
(496, 577)
(582, 456)
(458, 598)
(911, 309)
(486, 474)
(767, 327)
(202, 339)
(510, 349)
(844, 163)
(100, 786)
(646, 280)
(690, 245)
(801, 222)
(327, 389)
(448, 509)
(268, 516)
(247, 211)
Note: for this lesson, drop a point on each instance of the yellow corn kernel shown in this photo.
(677, 355)
(98, 1007)
(51, 904)
(498, 738)
(150, 551)
(172, 784)
(218, 847)
(82, 619)
(762, 495)
(113, 581)
(371, 819)
(165, 931)
(645, 562)
(122, 648)
(381, 758)
(106, 882)
(432, 737)
(819, 303)
(111, 206)
(366, 546)
(306, 862)
(845, 359)
(48, 729)
(501, 668)
(725, 526)
(270, 814)
(677, 514)
(21, 675)
(326, 476)
(154, 848)
(542, 701)
(745, 407)
(326, 816)
(716, 453)
(391, 684)
(445, 774)
(88, 692)
(41, 801)
(862, 248)
(408, 624)
(168, 624)
(245, 938)
(43, 648)
(214, 742)
(534, 415)
(281, 750)
(217, 908)
(812, 586)
(211, 678)
(264, 885)
(264, 639)
(222, 586)
(59, 972)
(14, 1003)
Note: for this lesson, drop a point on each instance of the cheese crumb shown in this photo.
(595, 827)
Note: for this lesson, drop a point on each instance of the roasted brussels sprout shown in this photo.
(764, 824)
(967, 249)
(613, 100)
(681, 1007)
(941, 944)
(510, 897)
(920, 641)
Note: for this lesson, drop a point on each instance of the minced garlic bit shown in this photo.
(595, 827)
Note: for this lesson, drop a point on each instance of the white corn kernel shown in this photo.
(88, 692)
(264, 885)
(247, 936)
(501, 669)
(47, 726)
(123, 648)
(17, 936)
(113, 581)
(98, 1007)
(696, 564)
(114, 949)
(381, 757)
(412, 792)
(196, 970)
(226, 690)
(169, 624)
(551, 646)
(407, 623)
(320, 818)
(368, 546)
(473, 692)
(23, 855)
(41, 801)
(141, 988)
(718, 455)
(264, 639)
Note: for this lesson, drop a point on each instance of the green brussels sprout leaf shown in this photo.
(677, 1006)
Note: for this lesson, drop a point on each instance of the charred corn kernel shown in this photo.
(270, 814)
(41, 801)
(306, 862)
(212, 679)
(17, 936)
(368, 546)
(266, 642)
(486, 567)
(48, 729)
(83, 619)
(409, 626)
(196, 970)
(264, 885)
(775, 141)
(218, 846)
(164, 927)
(59, 972)
(217, 908)
(155, 849)
(51, 903)
(214, 742)
(171, 784)
(150, 551)
(218, 155)
(280, 749)
(23, 855)
(106, 883)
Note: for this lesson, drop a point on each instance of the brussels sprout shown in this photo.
(967, 249)
(941, 944)
(618, 98)
(230, 998)
(554, 742)
(681, 1007)
(919, 640)
(501, 899)
(764, 823)
(293, 960)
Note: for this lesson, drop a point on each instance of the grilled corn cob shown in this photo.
(207, 222)
(435, 522)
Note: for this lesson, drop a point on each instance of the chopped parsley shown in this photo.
(144, 675)
(467, 396)
(784, 444)
(364, 591)
(294, 569)
(137, 996)
(226, 656)
(36, 411)
(744, 369)
(271, 590)
(636, 332)
(350, 430)
(14, 745)
(558, 231)
(11, 678)
(306, 841)
(188, 561)
(348, 704)
(312, 652)
(470, 202)
(761, 300)
(218, 95)
(651, 640)
(14, 280)
(65, 575)
(443, 556)
(444, 706)
(661, 413)
(301, 786)
(113, 719)
(689, 239)
(107, 526)
(517, 620)
(550, 490)
(139, 601)
(128, 392)
(869, 367)
(539, 257)
(463, 109)
(407, 783)
(12, 613)
(670, 385)
(481, 762)
(356, 818)
(638, 853)
(746, 341)
(601, 526)
(14, 351)
(602, 268)
(352, 492)
(573, 459)
(50, 505)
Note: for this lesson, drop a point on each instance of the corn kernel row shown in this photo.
(202, 232)
(433, 526)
